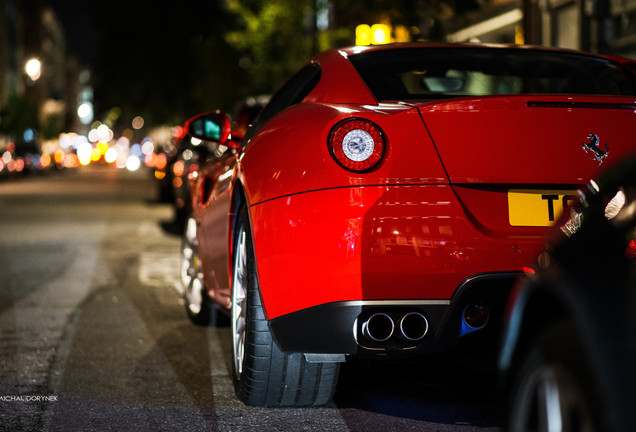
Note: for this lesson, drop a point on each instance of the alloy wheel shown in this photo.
(239, 290)
(191, 275)
(550, 400)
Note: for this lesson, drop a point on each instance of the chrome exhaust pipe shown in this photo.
(414, 326)
(378, 327)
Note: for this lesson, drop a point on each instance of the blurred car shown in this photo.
(387, 197)
(191, 153)
(166, 156)
(569, 352)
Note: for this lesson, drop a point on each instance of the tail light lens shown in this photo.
(357, 144)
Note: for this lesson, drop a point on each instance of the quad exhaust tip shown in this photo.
(414, 326)
(380, 327)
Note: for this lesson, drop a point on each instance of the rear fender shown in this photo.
(290, 154)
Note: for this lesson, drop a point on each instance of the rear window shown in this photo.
(432, 73)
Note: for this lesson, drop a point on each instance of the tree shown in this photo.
(18, 115)
(275, 38)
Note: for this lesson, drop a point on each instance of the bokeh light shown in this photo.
(133, 163)
(138, 122)
(33, 68)
(111, 155)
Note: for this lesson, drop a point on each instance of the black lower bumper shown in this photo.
(339, 327)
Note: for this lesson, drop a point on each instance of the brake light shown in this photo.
(630, 252)
(357, 144)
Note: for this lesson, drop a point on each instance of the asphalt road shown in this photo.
(94, 336)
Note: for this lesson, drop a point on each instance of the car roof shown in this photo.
(354, 50)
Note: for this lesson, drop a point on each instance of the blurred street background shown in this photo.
(139, 69)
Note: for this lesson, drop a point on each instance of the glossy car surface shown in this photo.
(387, 197)
(189, 153)
(568, 360)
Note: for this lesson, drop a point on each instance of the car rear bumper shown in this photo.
(340, 327)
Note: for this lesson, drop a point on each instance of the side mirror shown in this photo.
(213, 126)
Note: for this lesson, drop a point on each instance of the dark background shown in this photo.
(169, 61)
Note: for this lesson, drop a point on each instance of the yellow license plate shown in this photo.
(537, 207)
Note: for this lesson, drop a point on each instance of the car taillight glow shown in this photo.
(357, 144)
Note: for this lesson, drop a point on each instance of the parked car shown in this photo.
(191, 153)
(569, 352)
(387, 197)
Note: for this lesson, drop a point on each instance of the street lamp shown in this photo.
(33, 68)
(85, 112)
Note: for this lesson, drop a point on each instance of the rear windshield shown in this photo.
(432, 73)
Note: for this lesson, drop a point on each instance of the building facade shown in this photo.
(38, 102)
(597, 26)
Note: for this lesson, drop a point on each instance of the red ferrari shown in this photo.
(385, 200)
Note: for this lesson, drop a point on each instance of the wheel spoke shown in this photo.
(551, 400)
(191, 276)
(239, 289)
(550, 410)
(195, 295)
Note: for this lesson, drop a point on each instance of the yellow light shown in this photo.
(159, 175)
(376, 34)
(381, 34)
(95, 155)
(519, 36)
(402, 34)
(363, 34)
(102, 147)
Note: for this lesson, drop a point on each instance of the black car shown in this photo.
(568, 359)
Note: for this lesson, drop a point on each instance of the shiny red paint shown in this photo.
(502, 140)
(432, 214)
(339, 82)
(376, 242)
(281, 160)
(211, 200)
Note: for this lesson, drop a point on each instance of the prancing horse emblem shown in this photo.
(594, 146)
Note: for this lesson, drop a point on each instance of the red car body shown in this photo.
(418, 251)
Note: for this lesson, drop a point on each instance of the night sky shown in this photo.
(142, 52)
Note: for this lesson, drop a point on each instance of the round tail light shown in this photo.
(357, 144)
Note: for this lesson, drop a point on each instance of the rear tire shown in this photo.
(553, 385)
(263, 374)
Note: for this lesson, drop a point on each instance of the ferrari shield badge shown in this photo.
(593, 145)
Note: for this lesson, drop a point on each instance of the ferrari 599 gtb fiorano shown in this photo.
(386, 198)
